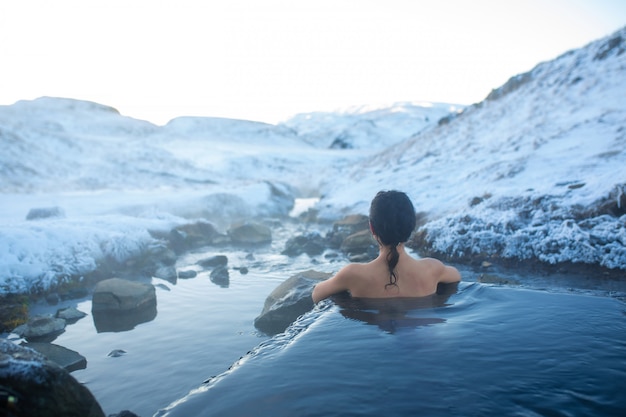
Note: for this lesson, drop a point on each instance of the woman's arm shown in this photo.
(334, 285)
(449, 275)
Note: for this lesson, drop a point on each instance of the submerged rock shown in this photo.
(40, 387)
(220, 276)
(288, 301)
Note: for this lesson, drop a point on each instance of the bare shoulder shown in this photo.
(440, 271)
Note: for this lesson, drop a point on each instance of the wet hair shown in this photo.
(392, 218)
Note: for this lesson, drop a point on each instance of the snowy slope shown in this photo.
(368, 128)
(521, 174)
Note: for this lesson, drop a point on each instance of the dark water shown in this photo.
(482, 351)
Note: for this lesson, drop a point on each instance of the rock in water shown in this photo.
(36, 386)
(41, 328)
(250, 233)
(120, 305)
(64, 357)
(288, 301)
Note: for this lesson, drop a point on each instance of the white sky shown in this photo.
(267, 60)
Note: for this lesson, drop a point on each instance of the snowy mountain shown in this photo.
(535, 171)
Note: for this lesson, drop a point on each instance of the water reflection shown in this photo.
(393, 314)
(114, 321)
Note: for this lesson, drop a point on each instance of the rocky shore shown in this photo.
(123, 297)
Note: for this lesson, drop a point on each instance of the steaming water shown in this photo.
(484, 350)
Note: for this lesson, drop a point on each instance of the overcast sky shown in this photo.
(267, 60)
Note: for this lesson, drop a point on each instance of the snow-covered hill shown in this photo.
(537, 170)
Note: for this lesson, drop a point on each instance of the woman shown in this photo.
(394, 273)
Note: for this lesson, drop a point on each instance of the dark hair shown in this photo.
(392, 218)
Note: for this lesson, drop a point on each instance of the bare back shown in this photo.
(415, 278)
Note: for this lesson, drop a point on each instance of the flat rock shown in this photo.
(41, 328)
(64, 357)
(70, 314)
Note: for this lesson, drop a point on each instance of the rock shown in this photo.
(45, 213)
(120, 305)
(167, 273)
(116, 353)
(310, 243)
(250, 233)
(213, 261)
(41, 328)
(40, 387)
(288, 301)
(359, 242)
(187, 274)
(194, 235)
(346, 227)
(64, 357)
(70, 314)
(220, 276)
(116, 294)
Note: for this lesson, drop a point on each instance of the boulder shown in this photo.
(117, 295)
(119, 305)
(288, 301)
(41, 328)
(310, 243)
(64, 357)
(35, 386)
(250, 233)
(346, 227)
(359, 242)
(194, 235)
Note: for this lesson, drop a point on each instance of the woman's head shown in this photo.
(392, 217)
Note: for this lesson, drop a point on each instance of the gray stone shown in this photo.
(250, 233)
(187, 274)
(116, 294)
(345, 227)
(70, 314)
(310, 243)
(217, 260)
(41, 328)
(119, 305)
(358, 242)
(39, 387)
(194, 235)
(64, 357)
(288, 301)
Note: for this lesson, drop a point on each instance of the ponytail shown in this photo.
(392, 260)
